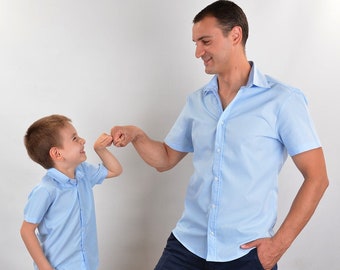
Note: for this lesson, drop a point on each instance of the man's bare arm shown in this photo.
(312, 166)
(155, 153)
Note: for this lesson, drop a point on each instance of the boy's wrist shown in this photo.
(99, 149)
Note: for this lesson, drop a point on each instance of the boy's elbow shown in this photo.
(23, 229)
(120, 171)
(115, 173)
(22, 232)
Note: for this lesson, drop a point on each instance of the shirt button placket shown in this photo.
(215, 192)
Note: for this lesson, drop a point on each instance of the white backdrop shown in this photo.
(110, 62)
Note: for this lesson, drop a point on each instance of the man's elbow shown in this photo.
(321, 185)
(325, 183)
(164, 168)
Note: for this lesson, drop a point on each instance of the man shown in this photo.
(239, 127)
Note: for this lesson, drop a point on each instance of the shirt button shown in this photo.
(212, 233)
(216, 178)
(218, 150)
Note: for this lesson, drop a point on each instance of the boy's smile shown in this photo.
(71, 149)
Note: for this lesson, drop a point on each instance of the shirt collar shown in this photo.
(256, 79)
(62, 178)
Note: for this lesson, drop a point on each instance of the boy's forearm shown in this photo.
(33, 246)
(110, 162)
(108, 159)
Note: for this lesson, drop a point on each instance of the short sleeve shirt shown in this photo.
(65, 211)
(238, 153)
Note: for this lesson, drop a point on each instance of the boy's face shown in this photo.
(72, 149)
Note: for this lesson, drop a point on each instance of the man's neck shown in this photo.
(232, 80)
(234, 77)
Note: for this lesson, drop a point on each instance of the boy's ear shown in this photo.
(55, 154)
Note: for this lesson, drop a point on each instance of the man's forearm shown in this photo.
(301, 211)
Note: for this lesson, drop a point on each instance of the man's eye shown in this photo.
(206, 42)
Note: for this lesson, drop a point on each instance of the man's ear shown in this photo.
(236, 34)
(55, 154)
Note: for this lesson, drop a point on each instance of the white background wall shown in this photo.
(109, 62)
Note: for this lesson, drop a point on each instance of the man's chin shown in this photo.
(209, 71)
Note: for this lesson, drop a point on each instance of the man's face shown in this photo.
(214, 48)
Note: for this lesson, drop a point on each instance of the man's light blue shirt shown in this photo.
(65, 211)
(237, 156)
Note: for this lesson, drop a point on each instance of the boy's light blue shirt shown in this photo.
(65, 211)
(237, 156)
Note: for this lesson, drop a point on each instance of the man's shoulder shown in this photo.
(282, 88)
(274, 82)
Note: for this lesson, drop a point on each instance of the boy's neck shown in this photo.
(69, 172)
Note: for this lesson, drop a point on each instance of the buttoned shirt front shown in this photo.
(65, 211)
(237, 156)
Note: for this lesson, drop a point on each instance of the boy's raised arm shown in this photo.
(108, 159)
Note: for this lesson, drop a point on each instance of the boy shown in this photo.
(61, 207)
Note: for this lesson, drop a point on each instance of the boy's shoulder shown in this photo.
(46, 188)
(47, 183)
(88, 169)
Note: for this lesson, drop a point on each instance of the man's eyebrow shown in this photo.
(202, 37)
